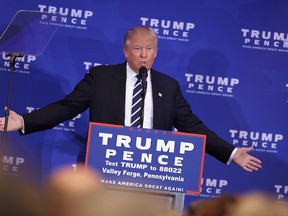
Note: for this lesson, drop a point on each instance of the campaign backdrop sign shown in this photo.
(146, 158)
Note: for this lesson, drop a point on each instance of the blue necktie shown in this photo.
(137, 104)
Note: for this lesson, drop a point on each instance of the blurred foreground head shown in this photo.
(18, 198)
(69, 192)
(195, 207)
(219, 206)
(259, 205)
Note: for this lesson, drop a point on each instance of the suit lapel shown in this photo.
(118, 87)
(157, 99)
(118, 90)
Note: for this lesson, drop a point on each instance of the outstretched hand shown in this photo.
(246, 161)
(14, 121)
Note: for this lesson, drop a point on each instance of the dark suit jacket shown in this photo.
(102, 90)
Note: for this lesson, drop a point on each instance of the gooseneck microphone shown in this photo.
(143, 75)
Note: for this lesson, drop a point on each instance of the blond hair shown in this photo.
(139, 30)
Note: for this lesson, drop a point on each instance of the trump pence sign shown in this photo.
(146, 158)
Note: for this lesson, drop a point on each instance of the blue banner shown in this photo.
(146, 159)
(230, 58)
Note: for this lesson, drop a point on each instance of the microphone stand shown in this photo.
(143, 74)
(7, 111)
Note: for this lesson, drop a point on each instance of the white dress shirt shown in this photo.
(148, 103)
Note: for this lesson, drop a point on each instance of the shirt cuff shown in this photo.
(231, 156)
(23, 125)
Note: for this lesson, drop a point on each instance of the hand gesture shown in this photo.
(14, 121)
(246, 161)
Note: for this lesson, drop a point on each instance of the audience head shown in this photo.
(219, 206)
(259, 205)
(69, 192)
(254, 204)
(17, 197)
(195, 207)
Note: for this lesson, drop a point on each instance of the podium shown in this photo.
(164, 165)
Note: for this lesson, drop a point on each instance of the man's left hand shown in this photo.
(246, 161)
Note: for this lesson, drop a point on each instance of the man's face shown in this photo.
(141, 51)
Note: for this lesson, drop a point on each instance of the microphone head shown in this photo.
(143, 71)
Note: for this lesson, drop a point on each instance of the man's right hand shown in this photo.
(15, 121)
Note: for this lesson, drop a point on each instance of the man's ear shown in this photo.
(125, 52)
(156, 52)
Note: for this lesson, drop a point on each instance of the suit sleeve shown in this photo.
(186, 121)
(57, 112)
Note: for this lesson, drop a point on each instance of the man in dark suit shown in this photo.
(108, 92)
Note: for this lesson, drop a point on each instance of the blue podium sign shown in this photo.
(146, 158)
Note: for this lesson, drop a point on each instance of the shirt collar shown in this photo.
(129, 72)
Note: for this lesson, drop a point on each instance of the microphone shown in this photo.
(143, 74)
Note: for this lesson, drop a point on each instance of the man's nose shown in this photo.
(143, 53)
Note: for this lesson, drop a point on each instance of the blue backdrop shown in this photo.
(229, 58)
